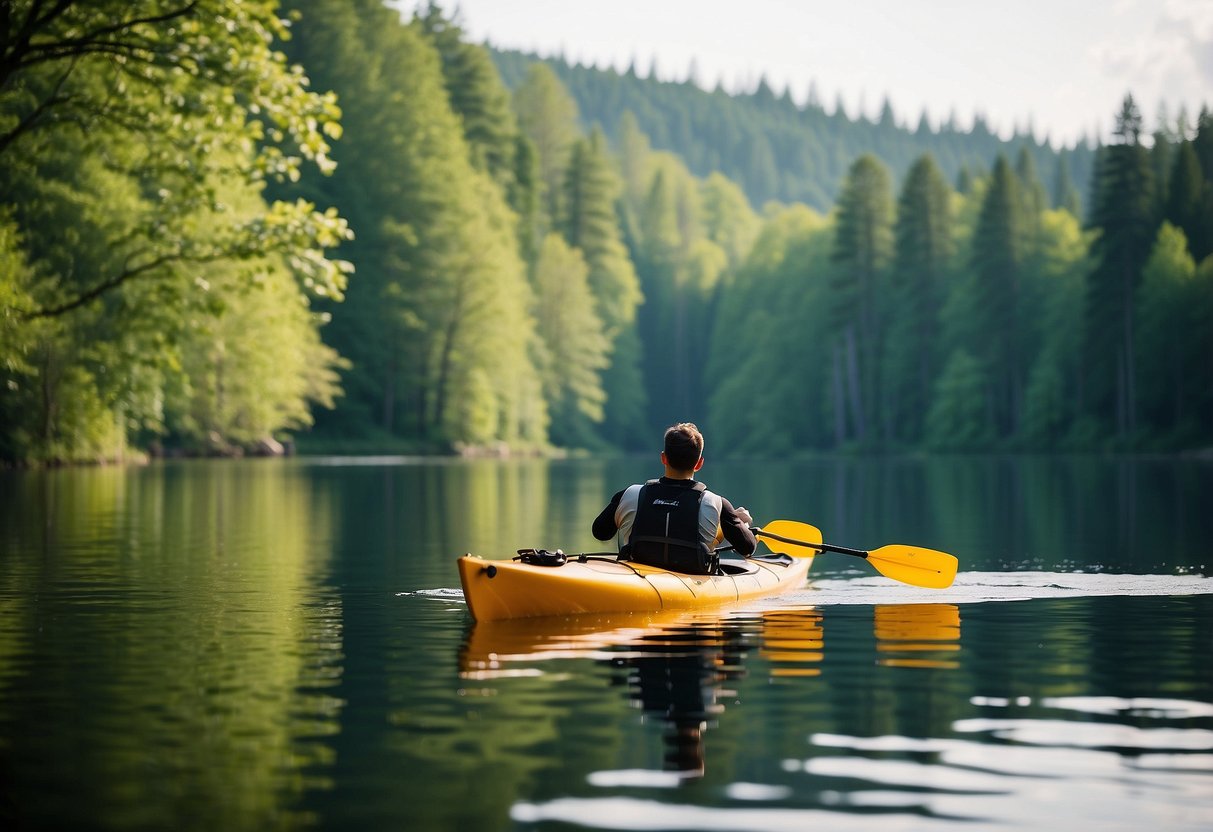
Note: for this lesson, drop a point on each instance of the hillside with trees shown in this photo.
(777, 149)
(375, 225)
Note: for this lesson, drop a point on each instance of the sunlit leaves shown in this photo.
(576, 347)
(134, 141)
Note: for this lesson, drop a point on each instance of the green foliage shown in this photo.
(960, 413)
(1189, 204)
(728, 220)
(766, 365)
(997, 255)
(863, 247)
(1169, 302)
(439, 328)
(1054, 272)
(477, 95)
(521, 280)
(1065, 194)
(16, 335)
(576, 345)
(922, 253)
(547, 115)
(771, 147)
(1124, 211)
(589, 222)
(133, 172)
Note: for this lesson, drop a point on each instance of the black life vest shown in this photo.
(665, 531)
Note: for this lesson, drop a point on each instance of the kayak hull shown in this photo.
(504, 589)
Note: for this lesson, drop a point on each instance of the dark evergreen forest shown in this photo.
(227, 226)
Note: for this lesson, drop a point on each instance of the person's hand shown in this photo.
(743, 514)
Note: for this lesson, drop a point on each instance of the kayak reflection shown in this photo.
(677, 666)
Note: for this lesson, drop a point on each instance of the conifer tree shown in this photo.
(548, 115)
(477, 95)
(923, 247)
(998, 251)
(1189, 203)
(1123, 211)
(863, 245)
(590, 222)
(1065, 195)
(1032, 197)
(657, 256)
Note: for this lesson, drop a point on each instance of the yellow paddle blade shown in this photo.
(915, 565)
(795, 530)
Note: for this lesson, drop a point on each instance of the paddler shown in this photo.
(675, 522)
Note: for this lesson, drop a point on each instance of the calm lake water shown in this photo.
(283, 643)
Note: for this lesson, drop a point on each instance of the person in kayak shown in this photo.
(674, 522)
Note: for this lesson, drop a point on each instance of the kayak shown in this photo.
(502, 589)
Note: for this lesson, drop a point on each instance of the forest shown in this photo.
(233, 227)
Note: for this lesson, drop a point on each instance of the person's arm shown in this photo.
(604, 524)
(735, 523)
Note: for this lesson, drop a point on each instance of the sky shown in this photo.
(1060, 68)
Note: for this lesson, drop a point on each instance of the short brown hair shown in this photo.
(683, 446)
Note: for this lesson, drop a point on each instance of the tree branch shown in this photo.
(126, 275)
(24, 55)
(27, 123)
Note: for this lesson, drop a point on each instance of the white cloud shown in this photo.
(1192, 23)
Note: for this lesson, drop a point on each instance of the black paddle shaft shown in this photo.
(821, 547)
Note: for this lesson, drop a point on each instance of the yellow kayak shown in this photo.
(501, 589)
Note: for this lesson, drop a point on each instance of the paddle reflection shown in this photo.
(918, 635)
(677, 667)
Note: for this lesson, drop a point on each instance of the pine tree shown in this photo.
(547, 115)
(1065, 195)
(1032, 197)
(923, 248)
(998, 251)
(1123, 212)
(862, 247)
(657, 257)
(590, 222)
(477, 95)
(524, 197)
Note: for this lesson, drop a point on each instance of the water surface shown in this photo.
(282, 643)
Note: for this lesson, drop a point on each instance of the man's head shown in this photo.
(683, 448)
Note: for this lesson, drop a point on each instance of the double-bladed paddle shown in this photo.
(908, 564)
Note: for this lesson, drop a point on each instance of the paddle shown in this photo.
(908, 564)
